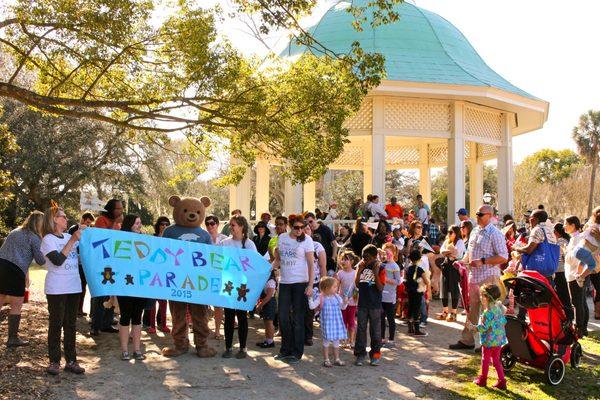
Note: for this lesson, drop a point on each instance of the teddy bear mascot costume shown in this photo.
(188, 214)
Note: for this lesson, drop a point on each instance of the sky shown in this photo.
(547, 48)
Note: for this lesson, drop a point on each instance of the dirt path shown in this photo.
(416, 368)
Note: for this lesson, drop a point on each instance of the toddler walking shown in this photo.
(493, 336)
(332, 323)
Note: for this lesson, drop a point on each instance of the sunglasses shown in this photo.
(211, 223)
(298, 227)
(164, 224)
(481, 214)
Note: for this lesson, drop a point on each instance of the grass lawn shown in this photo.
(530, 383)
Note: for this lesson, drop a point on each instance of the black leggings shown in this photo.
(562, 289)
(131, 310)
(595, 279)
(388, 312)
(582, 313)
(242, 318)
(450, 284)
(414, 305)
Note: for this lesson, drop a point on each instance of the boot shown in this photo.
(411, 327)
(13, 332)
(597, 310)
(418, 331)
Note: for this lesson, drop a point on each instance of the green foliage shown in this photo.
(161, 69)
(8, 148)
(587, 137)
(552, 166)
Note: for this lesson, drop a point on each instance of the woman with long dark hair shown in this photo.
(560, 281)
(453, 249)
(131, 307)
(582, 313)
(238, 239)
(360, 236)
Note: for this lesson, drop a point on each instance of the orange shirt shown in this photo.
(104, 222)
(394, 211)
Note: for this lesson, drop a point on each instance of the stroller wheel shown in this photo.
(555, 370)
(576, 354)
(507, 358)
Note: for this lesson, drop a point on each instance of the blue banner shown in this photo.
(118, 263)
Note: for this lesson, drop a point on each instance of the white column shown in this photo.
(292, 202)
(310, 196)
(505, 169)
(424, 174)
(456, 164)
(239, 195)
(378, 149)
(262, 186)
(367, 168)
(475, 179)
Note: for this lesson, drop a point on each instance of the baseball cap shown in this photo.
(462, 211)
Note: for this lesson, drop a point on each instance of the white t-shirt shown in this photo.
(293, 258)
(423, 215)
(230, 242)
(318, 250)
(61, 279)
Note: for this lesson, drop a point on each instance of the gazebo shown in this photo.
(440, 105)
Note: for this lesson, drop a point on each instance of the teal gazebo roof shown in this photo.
(420, 47)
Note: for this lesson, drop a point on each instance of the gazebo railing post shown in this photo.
(456, 163)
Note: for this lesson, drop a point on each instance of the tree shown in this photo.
(58, 157)
(552, 166)
(587, 137)
(135, 65)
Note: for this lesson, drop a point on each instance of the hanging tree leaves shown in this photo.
(128, 63)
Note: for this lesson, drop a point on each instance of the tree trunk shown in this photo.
(592, 182)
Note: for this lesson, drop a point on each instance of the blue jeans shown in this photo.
(292, 309)
(423, 311)
(102, 318)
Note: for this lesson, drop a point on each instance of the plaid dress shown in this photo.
(332, 322)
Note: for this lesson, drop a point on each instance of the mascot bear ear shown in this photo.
(206, 201)
(174, 200)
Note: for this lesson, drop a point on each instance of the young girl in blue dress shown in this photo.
(332, 323)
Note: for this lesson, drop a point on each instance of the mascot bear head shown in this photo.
(189, 211)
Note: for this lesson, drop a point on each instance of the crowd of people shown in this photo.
(388, 267)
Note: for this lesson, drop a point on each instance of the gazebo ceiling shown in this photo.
(427, 57)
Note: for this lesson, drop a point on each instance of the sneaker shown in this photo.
(389, 345)
(139, 356)
(282, 357)
(74, 368)
(110, 330)
(241, 354)
(164, 329)
(53, 369)
(125, 356)
(339, 363)
(327, 364)
(374, 362)
(265, 345)
(227, 353)
(480, 381)
(359, 361)
(292, 360)
(151, 331)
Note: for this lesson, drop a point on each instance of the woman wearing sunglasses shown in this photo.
(212, 227)
(62, 288)
(295, 257)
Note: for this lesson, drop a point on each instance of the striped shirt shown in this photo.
(486, 242)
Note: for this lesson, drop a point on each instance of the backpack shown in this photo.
(544, 258)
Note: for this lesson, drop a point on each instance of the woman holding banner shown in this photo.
(238, 239)
(62, 288)
(131, 307)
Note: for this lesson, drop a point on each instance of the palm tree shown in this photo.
(587, 137)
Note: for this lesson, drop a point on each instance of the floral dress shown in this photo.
(491, 327)
(332, 322)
